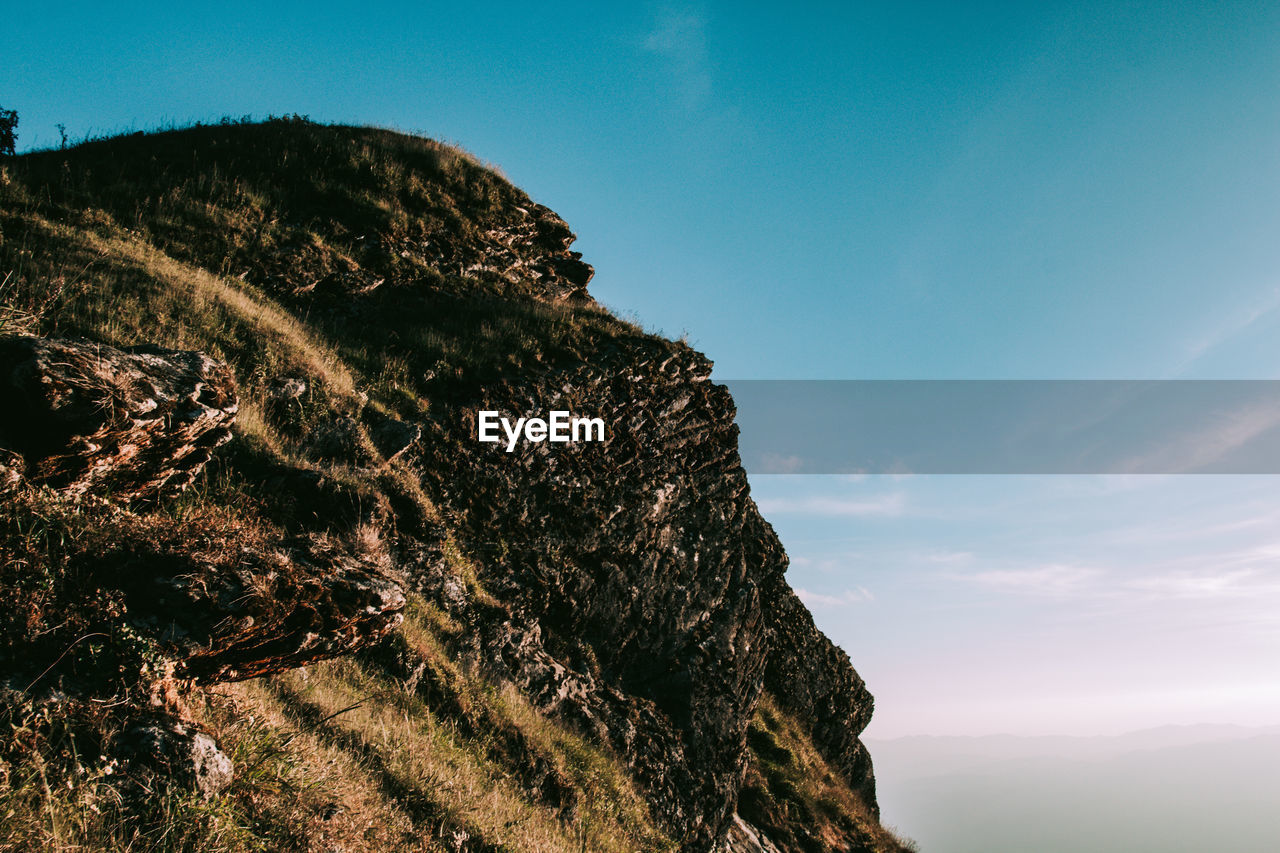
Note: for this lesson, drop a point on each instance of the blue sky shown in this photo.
(931, 190)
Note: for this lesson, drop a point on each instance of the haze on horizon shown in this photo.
(1056, 190)
(1166, 790)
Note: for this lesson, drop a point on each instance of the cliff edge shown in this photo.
(261, 562)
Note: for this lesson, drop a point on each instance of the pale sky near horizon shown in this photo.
(851, 190)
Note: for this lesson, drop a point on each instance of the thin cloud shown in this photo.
(858, 595)
(776, 463)
(950, 558)
(1248, 574)
(680, 38)
(1202, 585)
(1201, 449)
(1207, 343)
(886, 506)
(833, 565)
(1054, 580)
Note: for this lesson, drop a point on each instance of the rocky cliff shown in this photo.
(594, 624)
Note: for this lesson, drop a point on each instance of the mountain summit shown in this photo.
(268, 590)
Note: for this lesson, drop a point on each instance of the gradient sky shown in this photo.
(940, 190)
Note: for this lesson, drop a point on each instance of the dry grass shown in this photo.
(290, 776)
(294, 346)
(342, 734)
(798, 799)
(59, 793)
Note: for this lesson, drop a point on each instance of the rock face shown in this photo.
(531, 246)
(138, 423)
(525, 250)
(645, 557)
(744, 838)
(812, 678)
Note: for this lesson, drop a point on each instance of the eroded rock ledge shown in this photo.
(224, 600)
(135, 423)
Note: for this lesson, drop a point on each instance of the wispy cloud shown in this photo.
(949, 558)
(1247, 574)
(1201, 585)
(1267, 306)
(882, 506)
(679, 37)
(842, 563)
(776, 463)
(1202, 448)
(858, 595)
(1055, 580)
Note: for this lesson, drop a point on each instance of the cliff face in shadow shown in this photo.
(595, 624)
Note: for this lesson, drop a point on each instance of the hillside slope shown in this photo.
(361, 628)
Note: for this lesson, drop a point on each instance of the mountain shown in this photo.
(1175, 788)
(269, 591)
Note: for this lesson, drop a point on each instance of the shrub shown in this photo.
(8, 131)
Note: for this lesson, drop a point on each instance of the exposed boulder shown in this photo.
(742, 837)
(177, 752)
(135, 423)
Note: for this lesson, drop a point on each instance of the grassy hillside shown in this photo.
(352, 278)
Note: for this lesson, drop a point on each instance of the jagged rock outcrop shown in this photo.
(136, 423)
(643, 553)
(268, 608)
(530, 246)
(525, 250)
(225, 603)
(812, 678)
(511, 646)
(742, 837)
(646, 556)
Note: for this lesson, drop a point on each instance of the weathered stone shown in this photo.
(287, 388)
(393, 437)
(742, 837)
(278, 608)
(643, 553)
(136, 423)
(178, 752)
(644, 563)
(812, 678)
